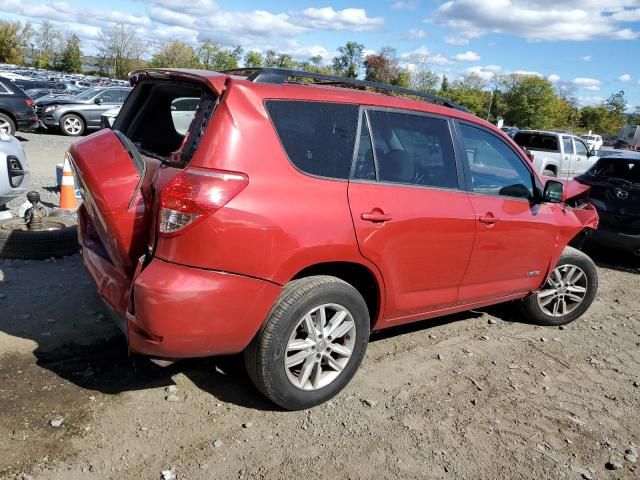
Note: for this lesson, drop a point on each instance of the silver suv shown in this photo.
(74, 115)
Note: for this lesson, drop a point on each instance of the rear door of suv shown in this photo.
(410, 217)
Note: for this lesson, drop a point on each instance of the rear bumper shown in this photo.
(172, 311)
(25, 120)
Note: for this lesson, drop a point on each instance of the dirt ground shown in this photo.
(473, 396)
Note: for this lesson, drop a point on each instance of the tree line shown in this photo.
(522, 100)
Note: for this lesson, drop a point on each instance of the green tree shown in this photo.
(594, 118)
(122, 50)
(11, 38)
(253, 59)
(175, 55)
(278, 60)
(71, 60)
(214, 57)
(444, 87)
(48, 44)
(529, 101)
(349, 62)
(424, 80)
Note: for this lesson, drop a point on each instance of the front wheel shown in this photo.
(72, 125)
(312, 343)
(568, 292)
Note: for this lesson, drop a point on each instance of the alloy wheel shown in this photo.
(5, 127)
(72, 125)
(565, 290)
(320, 347)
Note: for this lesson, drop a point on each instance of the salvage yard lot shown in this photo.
(476, 395)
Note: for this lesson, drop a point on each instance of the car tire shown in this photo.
(548, 173)
(72, 125)
(7, 124)
(328, 357)
(40, 244)
(567, 294)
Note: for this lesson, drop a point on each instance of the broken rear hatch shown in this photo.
(117, 172)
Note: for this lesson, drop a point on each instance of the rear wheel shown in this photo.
(312, 343)
(568, 292)
(7, 125)
(72, 125)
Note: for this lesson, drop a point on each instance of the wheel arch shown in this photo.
(361, 277)
(77, 114)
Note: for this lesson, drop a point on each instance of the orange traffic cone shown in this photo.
(67, 188)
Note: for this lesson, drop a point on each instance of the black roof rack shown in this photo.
(281, 75)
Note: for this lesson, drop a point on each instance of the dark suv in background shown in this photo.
(16, 108)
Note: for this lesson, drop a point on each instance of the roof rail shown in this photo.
(281, 75)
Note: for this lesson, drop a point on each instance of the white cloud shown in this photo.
(467, 56)
(486, 72)
(425, 56)
(537, 20)
(194, 20)
(353, 19)
(458, 41)
(589, 101)
(415, 33)
(624, 78)
(586, 83)
(553, 78)
(586, 58)
(404, 5)
(527, 72)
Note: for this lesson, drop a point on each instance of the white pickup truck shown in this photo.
(556, 154)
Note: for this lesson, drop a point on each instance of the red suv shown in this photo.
(287, 219)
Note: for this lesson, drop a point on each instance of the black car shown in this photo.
(615, 192)
(16, 108)
(621, 145)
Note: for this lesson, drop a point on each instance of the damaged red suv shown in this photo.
(286, 215)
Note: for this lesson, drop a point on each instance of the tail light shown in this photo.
(194, 194)
(29, 102)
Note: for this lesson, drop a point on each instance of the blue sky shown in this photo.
(591, 45)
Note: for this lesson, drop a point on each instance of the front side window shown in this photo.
(110, 96)
(495, 168)
(319, 138)
(413, 149)
(568, 145)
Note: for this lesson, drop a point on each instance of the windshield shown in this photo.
(537, 141)
(88, 94)
(618, 168)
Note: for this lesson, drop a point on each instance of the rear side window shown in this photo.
(413, 149)
(537, 141)
(318, 138)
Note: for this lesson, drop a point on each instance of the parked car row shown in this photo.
(71, 103)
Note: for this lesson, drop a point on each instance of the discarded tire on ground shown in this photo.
(58, 238)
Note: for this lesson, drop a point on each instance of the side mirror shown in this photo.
(98, 101)
(553, 192)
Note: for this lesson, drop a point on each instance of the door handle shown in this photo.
(488, 219)
(376, 217)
